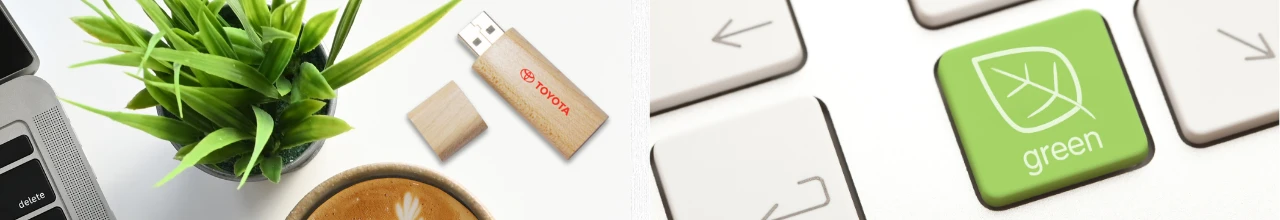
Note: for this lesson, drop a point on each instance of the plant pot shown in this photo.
(293, 158)
(331, 187)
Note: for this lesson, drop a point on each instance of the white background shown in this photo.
(873, 66)
(508, 168)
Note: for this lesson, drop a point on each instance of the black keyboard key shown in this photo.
(52, 214)
(23, 190)
(14, 150)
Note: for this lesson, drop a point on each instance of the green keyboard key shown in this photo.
(1043, 108)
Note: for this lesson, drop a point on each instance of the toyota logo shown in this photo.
(527, 75)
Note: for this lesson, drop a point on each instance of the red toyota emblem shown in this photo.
(527, 75)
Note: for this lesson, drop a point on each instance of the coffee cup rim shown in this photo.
(350, 177)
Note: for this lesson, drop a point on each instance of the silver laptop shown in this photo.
(43, 172)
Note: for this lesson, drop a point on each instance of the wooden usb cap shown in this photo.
(532, 85)
(447, 120)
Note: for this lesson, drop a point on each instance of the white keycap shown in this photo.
(781, 162)
(934, 14)
(704, 47)
(1216, 61)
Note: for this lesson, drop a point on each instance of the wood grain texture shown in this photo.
(543, 95)
(447, 120)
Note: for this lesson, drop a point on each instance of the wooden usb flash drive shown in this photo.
(532, 85)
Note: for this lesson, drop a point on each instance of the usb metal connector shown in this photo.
(481, 33)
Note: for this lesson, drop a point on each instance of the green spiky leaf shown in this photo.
(216, 140)
(315, 30)
(239, 37)
(249, 55)
(146, 55)
(185, 38)
(126, 59)
(204, 101)
(271, 168)
(95, 8)
(122, 26)
(313, 128)
(181, 17)
(160, 127)
(277, 58)
(104, 30)
(222, 67)
(182, 152)
(293, 18)
(265, 124)
(241, 165)
(344, 28)
(141, 100)
(226, 153)
(215, 6)
(177, 91)
(284, 86)
(166, 100)
(362, 62)
(257, 12)
(279, 14)
(211, 34)
(300, 110)
(162, 22)
(313, 84)
(270, 34)
(231, 96)
(246, 21)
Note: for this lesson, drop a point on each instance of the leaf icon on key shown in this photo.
(1032, 84)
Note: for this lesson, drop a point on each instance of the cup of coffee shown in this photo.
(388, 191)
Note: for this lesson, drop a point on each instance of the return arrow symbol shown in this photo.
(821, 182)
(719, 38)
(1266, 54)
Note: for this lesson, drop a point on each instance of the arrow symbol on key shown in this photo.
(719, 38)
(821, 182)
(1266, 54)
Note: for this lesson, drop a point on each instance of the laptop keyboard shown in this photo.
(1031, 127)
(25, 188)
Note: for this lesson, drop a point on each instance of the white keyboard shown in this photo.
(1209, 99)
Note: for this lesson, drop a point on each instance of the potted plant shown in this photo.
(241, 86)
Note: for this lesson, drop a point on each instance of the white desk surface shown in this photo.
(508, 168)
(873, 66)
